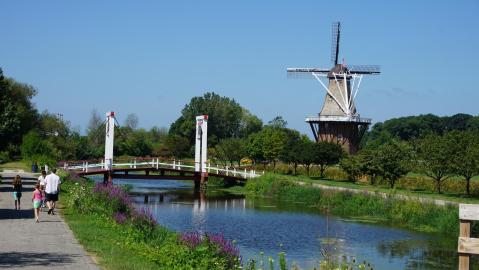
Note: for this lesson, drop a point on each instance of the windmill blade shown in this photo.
(335, 43)
(305, 73)
(365, 69)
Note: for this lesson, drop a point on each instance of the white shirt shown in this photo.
(41, 179)
(51, 183)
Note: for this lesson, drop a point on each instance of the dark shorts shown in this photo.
(51, 197)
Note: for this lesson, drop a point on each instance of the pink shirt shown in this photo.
(37, 195)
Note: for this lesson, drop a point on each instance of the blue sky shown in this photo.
(151, 57)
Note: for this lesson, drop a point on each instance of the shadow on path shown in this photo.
(16, 214)
(23, 259)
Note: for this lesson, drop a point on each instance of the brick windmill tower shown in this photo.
(338, 121)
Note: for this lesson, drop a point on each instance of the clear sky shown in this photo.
(151, 57)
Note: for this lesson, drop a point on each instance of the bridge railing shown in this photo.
(86, 166)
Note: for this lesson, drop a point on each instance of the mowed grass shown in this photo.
(15, 165)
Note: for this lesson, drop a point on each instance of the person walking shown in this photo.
(37, 201)
(52, 186)
(17, 191)
(41, 182)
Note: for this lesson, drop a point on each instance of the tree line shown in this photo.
(439, 147)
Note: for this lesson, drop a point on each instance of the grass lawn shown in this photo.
(459, 198)
(15, 165)
(106, 243)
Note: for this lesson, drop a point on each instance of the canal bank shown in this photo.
(121, 236)
(301, 230)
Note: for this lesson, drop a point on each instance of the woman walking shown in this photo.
(37, 202)
(17, 191)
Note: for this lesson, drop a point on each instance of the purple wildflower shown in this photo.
(191, 239)
(225, 246)
(143, 219)
(115, 195)
(120, 218)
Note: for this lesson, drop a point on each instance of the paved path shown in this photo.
(25, 244)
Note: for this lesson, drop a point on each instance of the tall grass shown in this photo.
(411, 214)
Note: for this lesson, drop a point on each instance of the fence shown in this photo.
(467, 245)
(86, 166)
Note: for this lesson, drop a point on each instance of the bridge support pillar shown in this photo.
(201, 181)
(201, 152)
(107, 178)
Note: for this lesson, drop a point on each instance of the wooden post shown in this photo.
(467, 245)
(464, 231)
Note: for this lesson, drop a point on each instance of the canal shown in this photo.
(305, 235)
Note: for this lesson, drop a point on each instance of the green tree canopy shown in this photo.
(17, 112)
(435, 157)
(226, 119)
(231, 149)
(393, 160)
(326, 154)
(465, 159)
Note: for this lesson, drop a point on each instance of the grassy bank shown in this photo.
(121, 237)
(453, 188)
(411, 214)
(401, 189)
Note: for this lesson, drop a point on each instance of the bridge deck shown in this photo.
(158, 174)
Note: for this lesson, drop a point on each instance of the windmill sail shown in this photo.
(335, 43)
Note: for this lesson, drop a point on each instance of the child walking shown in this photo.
(37, 202)
(17, 191)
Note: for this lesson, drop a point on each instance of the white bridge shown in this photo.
(155, 168)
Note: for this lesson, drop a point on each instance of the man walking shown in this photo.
(52, 185)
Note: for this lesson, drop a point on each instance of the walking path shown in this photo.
(25, 244)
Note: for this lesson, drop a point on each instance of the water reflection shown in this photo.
(272, 226)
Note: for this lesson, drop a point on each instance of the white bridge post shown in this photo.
(109, 138)
(201, 147)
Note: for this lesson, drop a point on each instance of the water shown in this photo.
(271, 226)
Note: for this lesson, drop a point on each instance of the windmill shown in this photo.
(338, 121)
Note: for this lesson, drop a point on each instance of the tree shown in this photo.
(177, 146)
(274, 141)
(435, 154)
(394, 160)
(95, 134)
(466, 155)
(307, 154)
(278, 122)
(231, 149)
(353, 166)
(226, 119)
(249, 124)
(292, 149)
(254, 148)
(131, 121)
(17, 112)
(36, 149)
(326, 154)
(370, 164)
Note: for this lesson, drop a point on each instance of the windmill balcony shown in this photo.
(338, 118)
